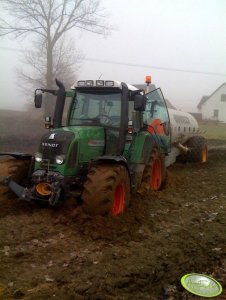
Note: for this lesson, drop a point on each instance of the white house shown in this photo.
(213, 107)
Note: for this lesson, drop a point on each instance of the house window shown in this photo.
(223, 97)
(215, 113)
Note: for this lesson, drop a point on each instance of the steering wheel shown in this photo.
(104, 119)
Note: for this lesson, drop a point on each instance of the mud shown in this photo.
(48, 253)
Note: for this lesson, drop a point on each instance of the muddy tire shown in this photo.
(106, 190)
(154, 175)
(198, 149)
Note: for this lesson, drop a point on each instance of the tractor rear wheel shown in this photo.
(154, 175)
(198, 149)
(106, 190)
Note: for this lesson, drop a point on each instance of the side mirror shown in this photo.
(140, 102)
(38, 100)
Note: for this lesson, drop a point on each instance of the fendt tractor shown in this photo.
(117, 140)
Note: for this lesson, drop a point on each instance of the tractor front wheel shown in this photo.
(106, 190)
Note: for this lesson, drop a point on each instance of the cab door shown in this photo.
(156, 118)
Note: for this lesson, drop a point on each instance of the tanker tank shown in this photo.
(183, 125)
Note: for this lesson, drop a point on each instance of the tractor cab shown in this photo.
(112, 105)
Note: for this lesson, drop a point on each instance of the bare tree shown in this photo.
(48, 21)
(32, 73)
(66, 63)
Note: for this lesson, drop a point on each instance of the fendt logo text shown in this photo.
(50, 145)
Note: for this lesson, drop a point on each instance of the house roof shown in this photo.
(205, 98)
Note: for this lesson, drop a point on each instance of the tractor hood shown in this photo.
(55, 143)
(77, 145)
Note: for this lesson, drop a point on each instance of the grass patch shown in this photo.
(213, 131)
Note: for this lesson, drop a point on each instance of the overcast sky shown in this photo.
(174, 34)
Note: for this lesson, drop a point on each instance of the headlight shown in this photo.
(60, 159)
(38, 156)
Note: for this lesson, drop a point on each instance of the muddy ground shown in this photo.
(48, 253)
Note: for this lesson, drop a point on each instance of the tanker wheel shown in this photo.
(106, 190)
(198, 149)
(154, 175)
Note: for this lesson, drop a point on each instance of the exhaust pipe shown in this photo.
(59, 107)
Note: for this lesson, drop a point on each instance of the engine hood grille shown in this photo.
(55, 143)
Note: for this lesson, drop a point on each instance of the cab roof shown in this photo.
(101, 84)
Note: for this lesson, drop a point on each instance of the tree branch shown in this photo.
(49, 21)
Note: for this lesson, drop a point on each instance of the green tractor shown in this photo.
(115, 142)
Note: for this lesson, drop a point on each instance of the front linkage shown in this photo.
(41, 185)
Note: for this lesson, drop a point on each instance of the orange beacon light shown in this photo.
(148, 79)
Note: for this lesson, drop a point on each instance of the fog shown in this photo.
(151, 37)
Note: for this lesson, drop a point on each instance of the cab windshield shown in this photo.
(97, 109)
